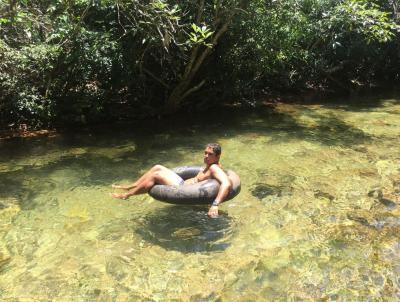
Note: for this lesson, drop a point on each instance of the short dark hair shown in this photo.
(215, 147)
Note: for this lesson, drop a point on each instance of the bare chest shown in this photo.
(203, 175)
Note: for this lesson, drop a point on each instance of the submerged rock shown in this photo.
(376, 193)
(9, 207)
(361, 149)
(376, 222)
(385, 199)
(112, 153)
(5, 256)
(362, 220)
(320, 194)
(8, 203)
(263, 190)
(388, 203)
(117, 269)
(396, 186)
(386, 221)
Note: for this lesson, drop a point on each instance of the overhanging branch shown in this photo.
(193, 89)
(155, 78)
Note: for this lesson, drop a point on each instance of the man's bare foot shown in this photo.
(120, 195)
(124, 187)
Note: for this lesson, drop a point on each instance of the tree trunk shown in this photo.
(197, 57)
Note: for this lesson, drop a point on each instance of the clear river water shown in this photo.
(318, 217)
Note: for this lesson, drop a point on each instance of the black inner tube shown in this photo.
(202, 192)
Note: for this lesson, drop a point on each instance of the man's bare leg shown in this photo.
(144, 176)
(139, 189)
(156, 175)
(124, 187)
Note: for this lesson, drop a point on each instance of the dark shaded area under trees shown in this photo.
(90, 61)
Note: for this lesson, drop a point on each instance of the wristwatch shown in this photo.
(215, 203)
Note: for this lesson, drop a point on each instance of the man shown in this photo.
(164, 176)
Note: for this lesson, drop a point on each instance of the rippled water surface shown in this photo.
(317, 218)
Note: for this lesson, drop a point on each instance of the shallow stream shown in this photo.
(318, 217)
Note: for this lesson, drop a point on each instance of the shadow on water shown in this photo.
(281, 126)
(167, 141)
(69, 171)
(199, 129)
(359, 103)
(25, 183)
(186, 229)
(325, 129)
(65, 174)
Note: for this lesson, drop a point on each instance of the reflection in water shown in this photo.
(186, 229)
(318, 217)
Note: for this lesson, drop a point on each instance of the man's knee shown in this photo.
(158, 175)
(158, 168)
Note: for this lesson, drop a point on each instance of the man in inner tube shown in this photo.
(164, 176)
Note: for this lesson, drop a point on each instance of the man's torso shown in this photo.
(202, 175)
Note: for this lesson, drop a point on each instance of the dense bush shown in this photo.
(23, 84)
(292, 44)
(86, 61)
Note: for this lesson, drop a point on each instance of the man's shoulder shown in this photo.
(215, 168)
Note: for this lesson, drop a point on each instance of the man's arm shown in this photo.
(225, 186)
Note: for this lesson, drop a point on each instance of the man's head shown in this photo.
(212, 153)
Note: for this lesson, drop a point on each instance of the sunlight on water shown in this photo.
(317, 218)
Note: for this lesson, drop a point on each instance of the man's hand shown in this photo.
(213, 212)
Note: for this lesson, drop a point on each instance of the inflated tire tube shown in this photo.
(203, 192)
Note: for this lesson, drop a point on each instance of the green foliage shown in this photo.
(364, 18)
(200, 35)
(295, 44)
(91, 61)
(21, 70)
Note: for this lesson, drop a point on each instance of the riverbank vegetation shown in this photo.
(89, 61)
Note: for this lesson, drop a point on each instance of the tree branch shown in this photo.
(119, 18)
(214, 42)
(76, 27)
(200, 12)
(155, 78)
(193, 89)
